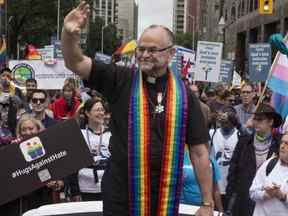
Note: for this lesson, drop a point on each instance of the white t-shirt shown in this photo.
(86, 176)
(222, 150)
(269, 207)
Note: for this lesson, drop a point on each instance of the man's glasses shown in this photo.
(151, 50)
(35, 100)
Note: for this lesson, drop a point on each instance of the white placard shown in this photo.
(47, 76)
(236, 79)
(47, 53)
(208, 61)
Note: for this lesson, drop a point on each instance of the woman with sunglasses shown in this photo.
(250, 153)
(88, 180)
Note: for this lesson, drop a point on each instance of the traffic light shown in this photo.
(265, 6)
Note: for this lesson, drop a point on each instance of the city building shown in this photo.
(186, 13)
(244, 25)
(106, 9)
(123, 13)
(127, 16)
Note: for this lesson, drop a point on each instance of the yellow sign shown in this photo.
(265, 7)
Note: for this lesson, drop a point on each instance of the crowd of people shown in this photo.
(28, 111)
(157, 139)
(243, 140)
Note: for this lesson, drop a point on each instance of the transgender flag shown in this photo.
(278, 81)
(279, 78)
(280, 104)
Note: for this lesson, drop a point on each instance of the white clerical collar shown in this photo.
(151, 80)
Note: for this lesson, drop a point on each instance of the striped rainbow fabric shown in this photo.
(139, 148)
(3, 52)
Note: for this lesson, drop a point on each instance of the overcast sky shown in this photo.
(154, 12)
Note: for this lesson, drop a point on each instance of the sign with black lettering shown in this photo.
(51, 155)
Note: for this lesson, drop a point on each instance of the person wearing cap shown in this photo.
(250, 153)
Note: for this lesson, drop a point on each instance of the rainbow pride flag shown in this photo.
(3, 52)
(31, 53)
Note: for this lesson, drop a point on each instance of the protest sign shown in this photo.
(259, 61)
(183, 62)
(236, 79)
(226, 71)
(51, 155)
(208, 61)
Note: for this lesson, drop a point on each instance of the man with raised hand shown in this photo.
(153, 116)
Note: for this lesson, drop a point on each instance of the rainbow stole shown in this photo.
(139, 147)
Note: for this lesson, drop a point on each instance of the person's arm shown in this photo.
(232, 178)
(74, 59)
(201, 164)
(217, 197)
(256, 190)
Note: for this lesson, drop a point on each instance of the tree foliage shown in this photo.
(184, 39)
(94, 38)
(35, 22)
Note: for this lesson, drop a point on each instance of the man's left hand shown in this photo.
(204, 211)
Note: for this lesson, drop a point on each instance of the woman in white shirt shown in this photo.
(270, 186)
(97, 139)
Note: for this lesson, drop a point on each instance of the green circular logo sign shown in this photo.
(21, 72)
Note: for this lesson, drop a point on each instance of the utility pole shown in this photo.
(58, 20)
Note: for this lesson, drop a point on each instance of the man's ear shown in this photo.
(172, 52)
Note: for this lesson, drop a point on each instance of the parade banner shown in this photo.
(53, 154)
(259, 61)
(226, 71)
(208, 61)
(48, 76)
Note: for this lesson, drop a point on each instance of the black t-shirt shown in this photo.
(114, 82)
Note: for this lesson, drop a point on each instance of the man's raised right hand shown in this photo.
(77, 19)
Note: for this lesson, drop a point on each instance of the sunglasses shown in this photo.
(246, 92)
(35, 100)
